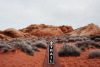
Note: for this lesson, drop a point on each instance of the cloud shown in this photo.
(21, 13)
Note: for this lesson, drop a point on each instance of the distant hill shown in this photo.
(90, 29)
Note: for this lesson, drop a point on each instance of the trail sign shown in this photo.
(51, 56)
(51, 52)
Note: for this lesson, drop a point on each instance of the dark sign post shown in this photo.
(51, 56)
(51, 52)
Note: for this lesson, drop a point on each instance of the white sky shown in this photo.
(21, 13)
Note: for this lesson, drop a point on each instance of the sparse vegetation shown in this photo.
(94, 53)
(87, 44)
(27, 48)
(82, 44)
(82, 49)
(68, 50)
(40, 44)
(72, 40)
(92, 37)
(97, 39)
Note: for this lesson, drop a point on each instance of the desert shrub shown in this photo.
(72, 39)
(35, 48)
(16, 44)
(66, 41)
(13, 49)
(5, 50)
(56, 41)
(78, 44)
(86, 38)
(97, 36)
(92, 37)
(78, 39)
(97, 45)
(82, 49)
(97, 39)
(40, 44)
(83, 43)
(59, 41)
(94, 53)
(87, 44)
(29, 42)
(68, 50)
(27, 48)
(5, 46)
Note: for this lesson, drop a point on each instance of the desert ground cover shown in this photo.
(30, 51)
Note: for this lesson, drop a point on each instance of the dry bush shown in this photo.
(72, 39)
(35, 48)
(40, 44)
(78, 39)
(94, 53)
(86, 38)
(84, 43)
(66, 41)
(97, 45)
(82, 49)
(16, 44)
(5, 46)
(68, 50)
(59, 41)
(27, 48)
(92, 37)
(97, 39)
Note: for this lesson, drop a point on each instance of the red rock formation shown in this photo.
(66, 29)
(46, 30)
(90, 29)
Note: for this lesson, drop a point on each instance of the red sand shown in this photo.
(81, 61)
(20, 59)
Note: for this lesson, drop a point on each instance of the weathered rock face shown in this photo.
(66, 29)
(46, 30)
(90, 29)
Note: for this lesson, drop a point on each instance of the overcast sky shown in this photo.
(21, 13)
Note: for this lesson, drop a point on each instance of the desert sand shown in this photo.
(20, 59)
